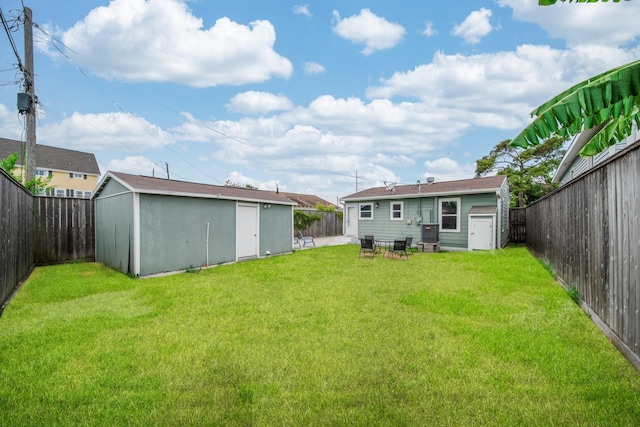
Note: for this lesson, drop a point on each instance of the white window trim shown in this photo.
(458, 214)
(360, 205)
(401, 203)
(75, 175)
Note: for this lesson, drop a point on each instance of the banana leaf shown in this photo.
(604, 98)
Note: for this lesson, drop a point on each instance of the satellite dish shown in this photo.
(390, 186)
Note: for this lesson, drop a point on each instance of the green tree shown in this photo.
(37, 185)
(529, 170)
(551, 2)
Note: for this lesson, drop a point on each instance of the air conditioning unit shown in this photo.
(430, 233)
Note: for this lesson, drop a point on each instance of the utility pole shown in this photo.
(29, 88)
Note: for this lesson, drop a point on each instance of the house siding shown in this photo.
(427, 209)
(173, 233)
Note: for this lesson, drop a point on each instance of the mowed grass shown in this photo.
(320, 337)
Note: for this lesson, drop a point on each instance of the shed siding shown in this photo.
(173, 232)
(114, 229)
(276, 224)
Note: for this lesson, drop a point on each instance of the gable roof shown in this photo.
(53, 158)
(444, 188)
(305, 200)
(169, 187)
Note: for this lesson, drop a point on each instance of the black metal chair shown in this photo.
(400, 248)
(370, 236)
(409, 247)
(367, 247)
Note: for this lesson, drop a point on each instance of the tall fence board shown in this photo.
(329, 225)
(589, 232)
(64, 229)
(518, 225)
(16, 231)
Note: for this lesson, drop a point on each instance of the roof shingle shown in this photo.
(54, 158)
(151, 185)
(474, 185)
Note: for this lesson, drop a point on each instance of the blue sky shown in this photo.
(302, 94)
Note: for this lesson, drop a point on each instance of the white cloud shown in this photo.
(302, 9)
(366, 28)
(120, 131)
(162, 41)
(500, 89)
(475, 26)
(313, 68)
(137, 165)
(445, 169)
(429, 30)
(253, 102)
(598, 23)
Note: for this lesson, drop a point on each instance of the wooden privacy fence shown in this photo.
(589, 232)
(518, 225)
(40, 230)
(64, 230)
(329, 225)
(16, 231)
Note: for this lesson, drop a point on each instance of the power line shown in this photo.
(11, 41)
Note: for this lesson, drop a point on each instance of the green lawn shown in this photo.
(320, 337)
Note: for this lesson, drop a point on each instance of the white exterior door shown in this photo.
(247, 232)
(351, 228)
(481, 233)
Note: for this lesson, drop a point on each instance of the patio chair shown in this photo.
(370, 236)
(367, 247)
(400, 248)
(306, 239)
(296, 241)
(409, 247)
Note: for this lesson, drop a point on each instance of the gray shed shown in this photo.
(147, 225)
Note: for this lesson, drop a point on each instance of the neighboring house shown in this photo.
(147, 225)
(572, 165)
(307, 202)
(73, 173)
(470, 214)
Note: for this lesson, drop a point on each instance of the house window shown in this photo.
(366, 211)
(397, 211)
(449, 215)
(42, 172)
(80, 194)
(60, 192)
(78, 176)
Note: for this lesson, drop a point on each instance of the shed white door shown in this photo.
(351, 228)
(480, 233)
(247, 232)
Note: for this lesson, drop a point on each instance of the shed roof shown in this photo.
(54, 158)
(170, 187)
(444, 188)
(306, 200)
